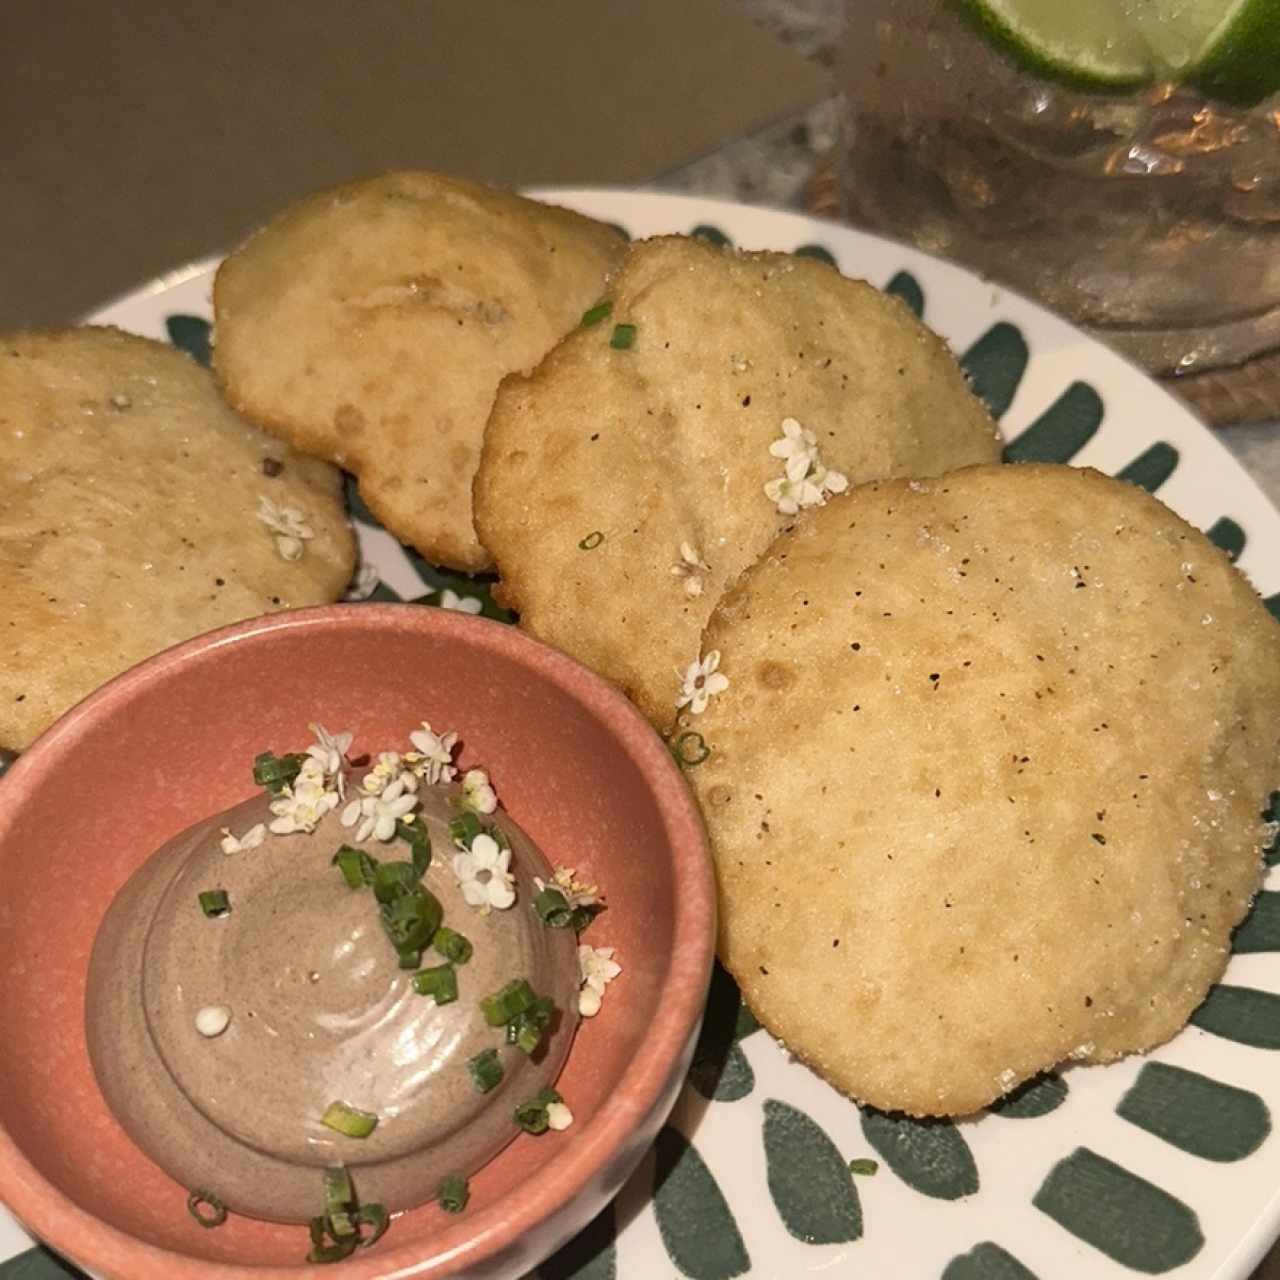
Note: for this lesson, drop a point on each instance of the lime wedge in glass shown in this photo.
(1229, 49)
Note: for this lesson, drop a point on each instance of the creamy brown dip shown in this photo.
(320, 1012)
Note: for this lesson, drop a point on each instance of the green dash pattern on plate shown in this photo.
(1271, 854)
(930, 1156)
(719, 1070)
(694, 1219)
(1260, 930)
(1120, 1214)
(1151, 468)
(1196, 1114)
(39, 1264)
(905, 286)
(191, 334)
(995, 365)
(1242, 1014)
(1035, 1097)
(986, 1261)
(1228, 535)
(809, 1180)
(1062, 430)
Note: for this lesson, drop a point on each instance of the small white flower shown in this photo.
(303, 804)
(795, 441)
(596, 968)
(329, 751)
(289, 524)
(250, 840)
(484, 874)
(701, 681)
(690, 567)
(432, 756)
(389, 768)
(478, 794)
(450, 599)
(805, 482)
(559, 1117)
(213, 1020)
(364, 584)
(377, 815)
(576, 893)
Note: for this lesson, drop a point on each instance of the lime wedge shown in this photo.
(1229, 49)
(1089, 44)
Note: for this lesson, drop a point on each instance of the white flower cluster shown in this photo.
(700, 681)
(288, 524)
(690, 567)
(805, 482)
(596, 969)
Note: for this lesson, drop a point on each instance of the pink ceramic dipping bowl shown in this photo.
(171, 741)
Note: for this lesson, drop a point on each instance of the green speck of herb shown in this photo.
(591, 541)
(624, 337)
(454, 1193)
(215, 903)
(593, 315)
(206, 1208)
(690, 750)
(864, 1168)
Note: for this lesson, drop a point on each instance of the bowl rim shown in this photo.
(57, 1219)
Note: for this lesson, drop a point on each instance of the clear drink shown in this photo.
(1150, 217)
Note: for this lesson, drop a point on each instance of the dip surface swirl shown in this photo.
(320, 1012)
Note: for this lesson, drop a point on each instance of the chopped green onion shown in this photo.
(863, 1168)
(350, 1121)
(410, 921)
(504, 1004)
(531, 1116)
(624, 336)
(452, 945)
(464, 828)
(392, 880)
(593, 315)
(690, 749)
(527, 1029)
(553, 908)
(583, 915)
(375, 1216)
(198, 1201)
(339, 1203)
(276, 772)
(591, 541)
(214, 903)
(321, 1252)
(440, 983)
(486, 1069)
(416, 836)
(454, 1193)
(357, 867)
(410, 957)
(498, 836)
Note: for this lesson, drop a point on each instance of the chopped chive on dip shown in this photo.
(357, 867)
(276, 772)
(591, 541)
(410, 920)
(505, 1004)
(454, 1193)
(206, 1208)
(339, 1203)
(348, 1120)
(485, 1069)
(415, 834)
(863, 1168)
(452, 945)
(214, 903)
(526, 1029)
(340, 1249)
(531, 1116)
(553, 908)
(624, 336)
(593, 315)
(440, 983)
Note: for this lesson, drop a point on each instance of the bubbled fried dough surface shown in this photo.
(984, 790)
(666, 443)
(371, 324)
(129, 518)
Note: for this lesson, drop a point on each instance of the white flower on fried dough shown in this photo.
(478, 794)
(701, 681)
(690, 567)
(596, 968)
(432, 755)
(377, 815)
(288, 524)
(805, 482)
(484, 874)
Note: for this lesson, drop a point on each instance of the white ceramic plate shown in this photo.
(1153, 1165)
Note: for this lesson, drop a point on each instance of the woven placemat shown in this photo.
(1249, 392)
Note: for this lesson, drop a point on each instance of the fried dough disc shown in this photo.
(130, 516)
(985, 786)
(371, 325)
(636, 453)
